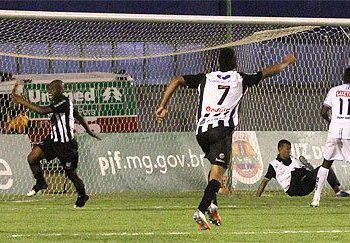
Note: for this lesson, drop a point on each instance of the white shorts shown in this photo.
(337, 149)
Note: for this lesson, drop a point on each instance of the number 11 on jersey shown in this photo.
(341, 106)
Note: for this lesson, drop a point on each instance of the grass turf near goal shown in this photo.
(131, 217)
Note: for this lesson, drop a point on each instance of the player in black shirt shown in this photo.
(220, 93)
(60, 143)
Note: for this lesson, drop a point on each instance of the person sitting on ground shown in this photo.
(296, 177)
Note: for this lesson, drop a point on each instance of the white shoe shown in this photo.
(38, 187)
(214, 216)
(31, 193)
(200, 219)
(315, 203)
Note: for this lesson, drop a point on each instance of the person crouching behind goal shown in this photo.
(220, 93)
(60, 143)
(296, 177)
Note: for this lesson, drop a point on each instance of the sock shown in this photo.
(209, 195)
(38, 173)
(333, 181)
(215, 200)
(79, 186)
(77, 182)
(320, 181)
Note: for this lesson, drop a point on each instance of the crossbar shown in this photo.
(186, 19)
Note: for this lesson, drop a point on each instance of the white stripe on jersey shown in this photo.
(55, 138)
(215, 123)
(226, 124)
(61, 129)
(63, 119)
(51, 132)
(222, 93)
(71, 119)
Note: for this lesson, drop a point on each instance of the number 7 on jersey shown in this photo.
(226, 88)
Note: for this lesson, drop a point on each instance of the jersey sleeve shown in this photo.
(60, 106)
(251, 79)
(271, 173)
(193, 81)
(328, 100)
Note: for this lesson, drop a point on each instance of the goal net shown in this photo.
(115, 69)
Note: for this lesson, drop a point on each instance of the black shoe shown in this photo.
(81, 200)
(306, 163)
(342, 194)
(37, 188)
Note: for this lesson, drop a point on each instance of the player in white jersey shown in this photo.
(220, 93)
(338, 141)
(297, 177)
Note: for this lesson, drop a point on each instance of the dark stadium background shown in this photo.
(311, 8)
(313, 97)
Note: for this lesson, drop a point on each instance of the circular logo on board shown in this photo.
(247, 166)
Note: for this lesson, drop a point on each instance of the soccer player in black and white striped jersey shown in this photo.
(60, 143)
(220, 93)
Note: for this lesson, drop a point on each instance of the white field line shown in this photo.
(26, 201)
(88, 207)
(99, 234)
(193, 207)
(282, 232)
(136, 208)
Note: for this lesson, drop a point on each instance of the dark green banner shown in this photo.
(97, 99)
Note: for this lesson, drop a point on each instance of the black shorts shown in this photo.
(67, 153)
(302, 182)
(216, 143)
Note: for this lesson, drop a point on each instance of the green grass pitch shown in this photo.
(167, 217)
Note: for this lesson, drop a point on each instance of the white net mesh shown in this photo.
(136, 152)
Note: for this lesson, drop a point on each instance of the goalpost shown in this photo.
(115, 68)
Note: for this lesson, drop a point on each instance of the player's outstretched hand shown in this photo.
(16, 98)
(290, 58)
(92, 134)
(161, 113)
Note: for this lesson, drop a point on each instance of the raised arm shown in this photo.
(82, 122)
(278, 67)
(162, 109)
(262, 186)
(19, 99)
